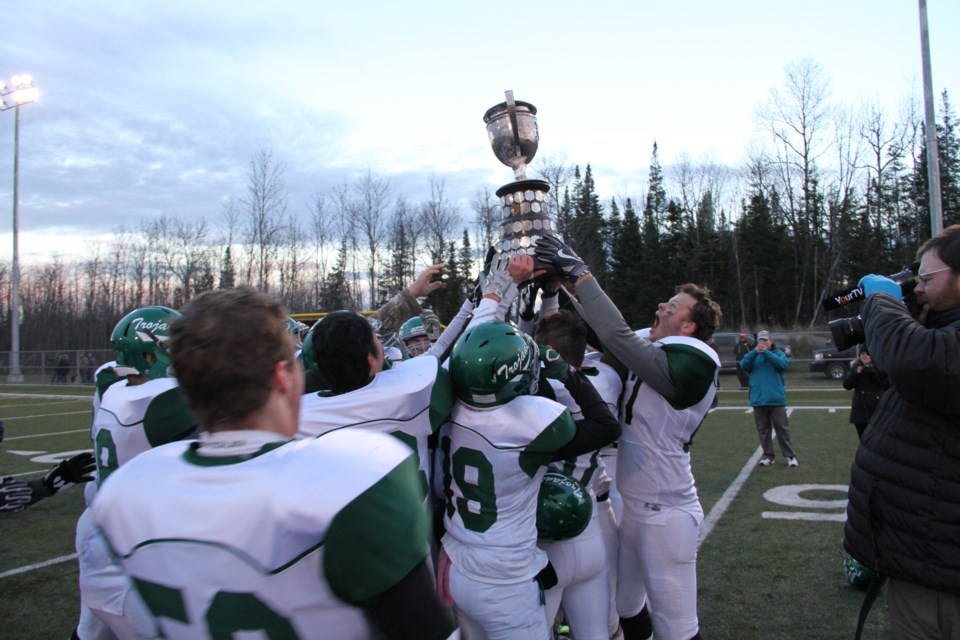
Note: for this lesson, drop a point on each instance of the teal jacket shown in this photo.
(766, 377)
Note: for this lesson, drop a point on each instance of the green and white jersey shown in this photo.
(586, 466)
(608, 384)
(133, 418)
(250, 535)
(493, 462)
(408, 401)
(653, 465)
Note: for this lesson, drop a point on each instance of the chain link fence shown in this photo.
(56, 367)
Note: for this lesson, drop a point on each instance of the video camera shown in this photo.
(848, 332)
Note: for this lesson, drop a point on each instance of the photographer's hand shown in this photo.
(873, 283)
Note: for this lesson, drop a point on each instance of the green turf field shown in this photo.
(770, 563)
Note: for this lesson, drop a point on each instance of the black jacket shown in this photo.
(868, 384)
(903, 515)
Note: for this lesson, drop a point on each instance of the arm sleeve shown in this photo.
(637, 354)
(452, 332)
(397, 310)
(410, 609)
(923, 363)
(850, 380)
(486, 311)
(746, 363)
(598, 427)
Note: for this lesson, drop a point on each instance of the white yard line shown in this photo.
(48, 396)
(44, 435)
(39, 565)
(728, 496)
(46, 415)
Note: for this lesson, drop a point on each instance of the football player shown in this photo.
(496, 449)
(253, 532)
(582, 562)
(140, 406)
(671, 386)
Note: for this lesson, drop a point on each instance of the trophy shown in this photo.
(524, 212)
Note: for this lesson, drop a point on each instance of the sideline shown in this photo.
(46, 415)
(44, 396)
(39, 565)
(44, 435)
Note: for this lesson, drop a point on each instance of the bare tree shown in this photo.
(323, 232)
(440, 217)
(266, 206)
(795, 117)
(487, 209)
(369, 209)
(556, 171)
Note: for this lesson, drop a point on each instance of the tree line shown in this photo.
(827, 194)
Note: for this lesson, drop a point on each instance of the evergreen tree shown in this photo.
(227, 270)
(948, 153)
(588, 226)
(626, 269)
(336, 288)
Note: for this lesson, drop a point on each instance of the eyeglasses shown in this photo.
(927, 277)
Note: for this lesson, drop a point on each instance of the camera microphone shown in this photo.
(906, 279)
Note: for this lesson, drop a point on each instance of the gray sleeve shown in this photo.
(640, 356)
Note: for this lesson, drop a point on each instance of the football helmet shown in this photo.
(298, 330)
(564, 507)
(859, 576)
(493, 363)
(140, 340)
(414, 336)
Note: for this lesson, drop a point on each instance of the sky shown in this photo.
(157, 108)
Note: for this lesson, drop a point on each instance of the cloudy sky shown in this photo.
(157, 108)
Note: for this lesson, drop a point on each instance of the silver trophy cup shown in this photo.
(524, 211)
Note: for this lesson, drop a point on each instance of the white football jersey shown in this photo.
(289, 540)
(493, 461)
(133, 418)
(608, 384)
(408, 401)
(653, 465)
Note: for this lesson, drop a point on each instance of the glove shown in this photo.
(498, 280)
(15, 495)
(554, 366)
(476, 295)
(551, 250)
(873, 283)
(69, 472)
(528, 301)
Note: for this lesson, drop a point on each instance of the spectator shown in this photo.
(768, 396)
(868, 384)
(741, 349)
(903, 514)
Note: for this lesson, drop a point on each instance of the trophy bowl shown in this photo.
(513, 134)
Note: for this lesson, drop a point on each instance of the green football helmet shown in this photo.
(564, 507)
(298, 330)
(140, 340)
(493, 363)
(409, 332)
(859, 576)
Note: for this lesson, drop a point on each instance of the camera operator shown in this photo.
(903, 516)
(868, 384)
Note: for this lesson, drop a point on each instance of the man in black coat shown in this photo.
(903, 516)
(868, 384)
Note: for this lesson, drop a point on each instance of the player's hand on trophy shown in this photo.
(69, 472)
(521, 268)
(498, 279)
(528, 301)
(551, 250)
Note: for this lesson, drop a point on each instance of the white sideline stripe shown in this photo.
(44, 435)
(46, 415)
(747, 409)
(41, 404)
(805, 515)
(728, 496)
(39, 565)
(46, 396)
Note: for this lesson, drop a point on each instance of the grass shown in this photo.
(759, 576)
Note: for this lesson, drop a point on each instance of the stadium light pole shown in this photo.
(21, 91)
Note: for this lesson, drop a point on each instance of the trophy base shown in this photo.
(525, 216)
